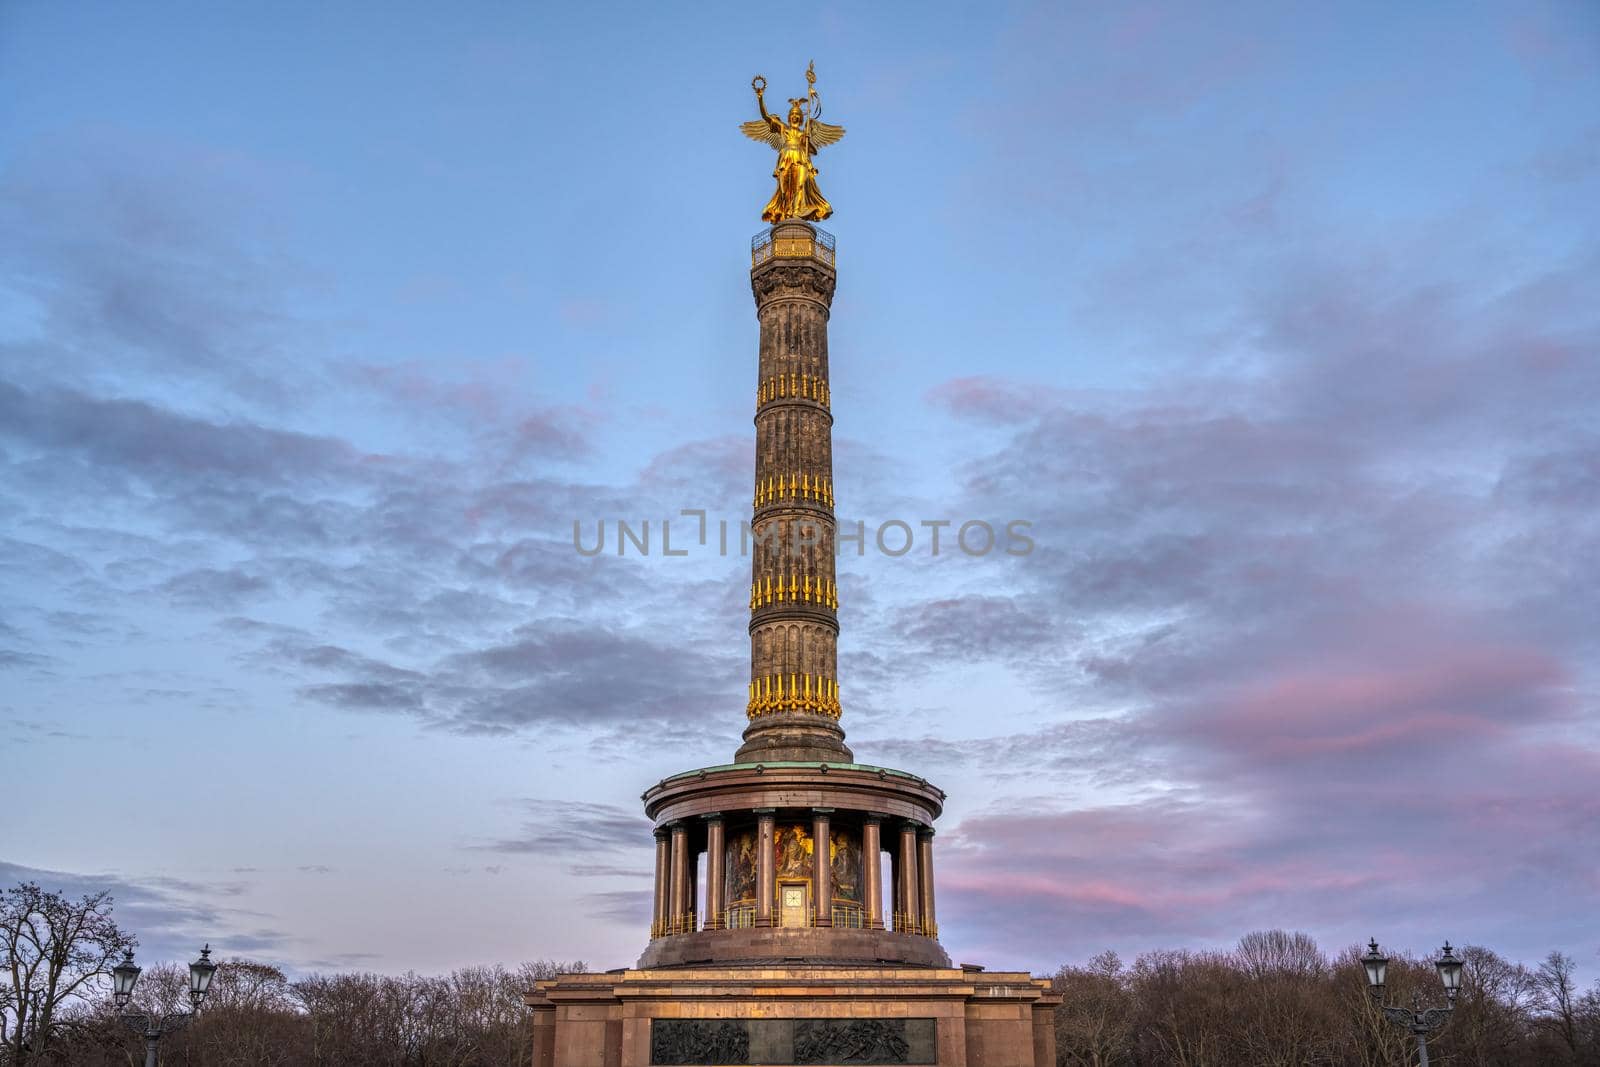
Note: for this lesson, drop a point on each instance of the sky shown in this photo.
(322, 324)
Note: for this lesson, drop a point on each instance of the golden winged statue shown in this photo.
(796, 141)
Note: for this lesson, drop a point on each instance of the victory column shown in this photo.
(785, 952)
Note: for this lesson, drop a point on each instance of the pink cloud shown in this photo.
(988, 398)
(1479, 692)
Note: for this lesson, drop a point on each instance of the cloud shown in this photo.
(123, 244)
(158, 444)
(624, 907)
(214, 589)
(1303, 634)
(608, 870)
(562, 828)
(483, 404)
(11, 659)
(364, 696)
(556, 672)
(978, 628)
(171, 917)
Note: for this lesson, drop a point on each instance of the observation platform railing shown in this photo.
(818, 246)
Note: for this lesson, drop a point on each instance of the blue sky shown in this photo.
(320, 324)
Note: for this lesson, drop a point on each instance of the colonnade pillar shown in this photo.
(691, 910)
(715, 905)
(908, 897)
(821, 867)
(679, 903)
(872, 869)
(929, 922)
(658, 913)
(676, 908)
(766, 877)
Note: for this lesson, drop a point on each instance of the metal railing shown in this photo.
(909, 922)
(819, 246)
(675, 924)
(743, 917)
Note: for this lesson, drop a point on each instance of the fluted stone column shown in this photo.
(794, 627)
(906, 871)
(658, 914)
(896, 891)
(930, 924)
(766, 884)
(692, 912)
(679, 902)
(716, 906)
(872, 869)
(821, 866)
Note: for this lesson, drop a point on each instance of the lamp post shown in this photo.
(123, 977)
(1419, 1020)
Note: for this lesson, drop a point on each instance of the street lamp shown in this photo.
(1449, 972)
(123, 977)
(1419, 1020)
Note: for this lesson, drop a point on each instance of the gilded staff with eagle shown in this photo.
(796, 141)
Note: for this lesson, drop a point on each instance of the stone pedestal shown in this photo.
(794, 1015)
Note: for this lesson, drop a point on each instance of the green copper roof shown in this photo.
(795, 763)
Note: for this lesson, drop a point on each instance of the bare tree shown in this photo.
(1187, 1000)
(1094, 1025)
(1558, 997)
(1589, 1026)
(250, 1019)
(56, 952)
(1493, 1010)
(1280, 954)
(1283, 1006)
(1276, 1000)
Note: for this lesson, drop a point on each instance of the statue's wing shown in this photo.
(823, 133)
(758, 130)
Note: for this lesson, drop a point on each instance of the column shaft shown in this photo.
(793, 704)
(766, 885)
(896, 891)
(872, 870)
(716, 906)
(692, 911)
(680, 877)
(906, 872)
(930, 925)
(658, 915)
(821, 867)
